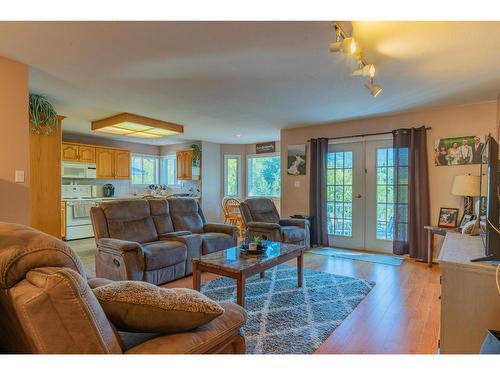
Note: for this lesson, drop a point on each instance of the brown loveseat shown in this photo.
(262, 219)
(154, 240)
(47, 306)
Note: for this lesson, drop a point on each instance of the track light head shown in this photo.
(365, 71)
(375, 90)
(347, 45)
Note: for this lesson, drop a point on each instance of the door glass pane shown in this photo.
(339, 193)
(386, 191)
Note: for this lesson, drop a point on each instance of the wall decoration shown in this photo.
(296, 160)
(448, 217)
(459, 150)
(264, 148)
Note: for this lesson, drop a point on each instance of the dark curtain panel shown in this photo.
(412, 203)
(317, 191)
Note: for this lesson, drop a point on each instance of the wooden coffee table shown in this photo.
(236, 265)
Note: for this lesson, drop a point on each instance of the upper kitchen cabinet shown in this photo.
(104, 158)
(185, 164)
(79, 153)
(122, 164)
(112, 163)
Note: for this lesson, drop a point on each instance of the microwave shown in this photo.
(78, 170)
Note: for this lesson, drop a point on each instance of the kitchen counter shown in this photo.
(111, 198)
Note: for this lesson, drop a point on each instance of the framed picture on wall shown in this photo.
(448, 217)
(465, 219)
(460, 150)
(296, 160)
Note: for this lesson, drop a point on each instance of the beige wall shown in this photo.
(211, 184)
(14, 143)
(474, 119)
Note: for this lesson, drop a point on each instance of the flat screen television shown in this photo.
(492, 235)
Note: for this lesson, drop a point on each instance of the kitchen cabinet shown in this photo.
(122, 164)
(63, 219)
(185, 164)
(76, 152)
(112, 163)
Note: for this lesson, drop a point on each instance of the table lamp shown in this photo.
(466, 186)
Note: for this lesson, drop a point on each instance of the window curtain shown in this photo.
(411, 178)
(317, 191)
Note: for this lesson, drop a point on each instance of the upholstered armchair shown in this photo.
(47, 306)
(261, 218)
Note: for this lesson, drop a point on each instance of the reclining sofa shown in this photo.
(154, 240)
(47, 306)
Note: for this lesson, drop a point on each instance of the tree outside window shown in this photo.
(264, 175)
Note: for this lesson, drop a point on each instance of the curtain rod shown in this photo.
(363, 135)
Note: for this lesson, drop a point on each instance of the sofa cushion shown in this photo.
(136, 306)
(130, 220)
(262, 210)
(212, 242)
(160, 212)
(163, 254)
(293, 234)
(185, 214)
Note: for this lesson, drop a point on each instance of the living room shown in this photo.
(250, 187)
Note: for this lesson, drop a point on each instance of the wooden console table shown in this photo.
(470, 301)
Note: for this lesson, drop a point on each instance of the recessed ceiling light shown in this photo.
(238, 135)
(131, 125)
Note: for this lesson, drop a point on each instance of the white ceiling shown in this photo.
(220, 79)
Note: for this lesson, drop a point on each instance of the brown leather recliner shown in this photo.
(261, 219)
(47, 306)
(154, 240)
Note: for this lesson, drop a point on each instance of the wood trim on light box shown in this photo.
(130, 117)
(45, 180)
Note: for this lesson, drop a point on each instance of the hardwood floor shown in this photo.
(400, 315)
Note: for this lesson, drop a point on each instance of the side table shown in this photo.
(431, 231)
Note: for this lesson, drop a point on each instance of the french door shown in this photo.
(360, 194)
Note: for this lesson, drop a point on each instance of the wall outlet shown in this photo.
(296, 184)
(19, 176)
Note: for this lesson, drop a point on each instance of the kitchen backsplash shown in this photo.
(124, 188)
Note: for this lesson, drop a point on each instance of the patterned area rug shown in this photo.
(285, 319)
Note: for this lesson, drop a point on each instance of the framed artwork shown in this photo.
(460, 150)
(448, 217)
(296, 160)
(465, 219)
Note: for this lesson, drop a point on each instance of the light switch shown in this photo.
(19, 176)
(296, 184)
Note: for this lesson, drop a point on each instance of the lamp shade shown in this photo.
(466, 186)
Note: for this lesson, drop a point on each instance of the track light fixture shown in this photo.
(375, 90)
(365, 71)
(347, 44)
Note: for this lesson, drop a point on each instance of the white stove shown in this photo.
(79, 201)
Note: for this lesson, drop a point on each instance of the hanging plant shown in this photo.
(43, 116)
(197, 155)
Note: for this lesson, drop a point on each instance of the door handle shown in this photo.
(359, 196)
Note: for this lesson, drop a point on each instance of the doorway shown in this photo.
(361, 193)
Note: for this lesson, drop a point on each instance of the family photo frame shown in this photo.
(460, 150)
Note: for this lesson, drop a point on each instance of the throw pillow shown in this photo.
(136, 306)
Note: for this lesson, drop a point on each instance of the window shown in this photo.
(168, 170)
(232, 175)
(339, 193)
(144, 169)
(264, 175)
(391, 181)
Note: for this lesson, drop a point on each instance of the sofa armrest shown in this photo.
(287, 221)
(231, 230)
(116, 245)
(165, 236)
(262, 225)
(208, 338)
